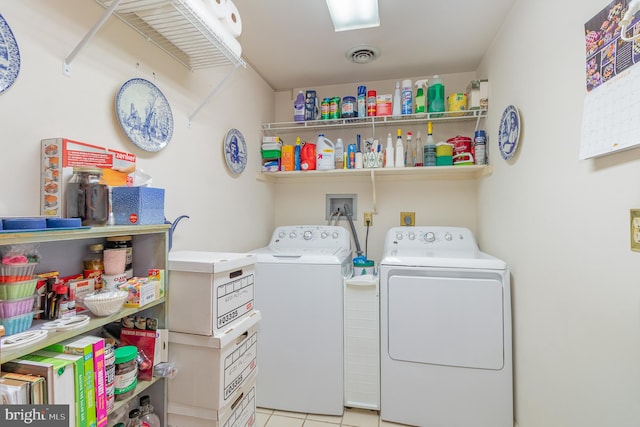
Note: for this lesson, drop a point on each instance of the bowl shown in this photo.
(16, 307)
(17, 290)
(105, 303)
(16, 272)
(17, 324)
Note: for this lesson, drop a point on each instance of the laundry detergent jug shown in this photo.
(308, 157)
(325, 153)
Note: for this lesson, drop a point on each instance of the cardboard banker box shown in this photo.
(58, 158)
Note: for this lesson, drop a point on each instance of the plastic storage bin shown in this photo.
(16, 272)
(17, 324)
(17, 290)
(16, 307)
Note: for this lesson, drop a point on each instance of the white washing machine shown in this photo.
(445, 331)
(299, 291)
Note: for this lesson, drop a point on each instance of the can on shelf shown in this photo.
(324, 108)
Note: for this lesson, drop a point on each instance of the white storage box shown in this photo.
(240, 412)
(209, 291)
(212, 369)
(362, 342)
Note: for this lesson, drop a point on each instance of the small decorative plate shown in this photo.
(235, 151)
(509, 132)
(9, 56)
(144, 114)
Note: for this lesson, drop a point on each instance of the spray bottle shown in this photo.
(420, 99)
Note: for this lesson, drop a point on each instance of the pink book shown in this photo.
(100, 380)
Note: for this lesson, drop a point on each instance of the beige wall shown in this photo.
(435, 202)
(228, 213)
(562, 224)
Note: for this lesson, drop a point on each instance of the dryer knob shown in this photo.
(307, 235)
(292, 235)
(324, 234)
(282, 234)
(448, 237)
(412, 236)
(430, 237)
(335, 234)
(398, 236)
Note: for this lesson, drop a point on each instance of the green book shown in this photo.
(80, 347)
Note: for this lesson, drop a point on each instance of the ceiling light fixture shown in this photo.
(353, 14)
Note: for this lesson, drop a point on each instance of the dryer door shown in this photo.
(452, 321)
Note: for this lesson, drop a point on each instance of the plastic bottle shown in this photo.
(339, 154)
(296, 154)
(407, 97)
(435, 95)
(430, 147)
(420, 100)
(409, 152)
(399, 150)
(388, 159)
(362, 101)
(397, 101)
(419, 151)
(325, 153)
(298, 108)
(147, 417)
(134, 418)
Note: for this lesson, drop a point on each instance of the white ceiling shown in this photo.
(292, 43)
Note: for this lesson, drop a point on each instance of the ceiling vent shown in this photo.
(362, 54)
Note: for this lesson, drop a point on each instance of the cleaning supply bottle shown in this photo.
(407, 97)
(339, 154)
(325, 153)
(399, 150)
(435, 95)
(419, 151)
(397, 101)
(298, 108)
(388, 153)
(430, 147)
(409, 151)
(420, 100)
(296, 154)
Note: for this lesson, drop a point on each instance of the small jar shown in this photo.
(123, 242)
(87, 196)
(126, 373)
(94, 265)
(349, 109)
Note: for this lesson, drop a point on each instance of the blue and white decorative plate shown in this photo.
(509, 132)
(235, 151)
(144, 114)
(9, 56)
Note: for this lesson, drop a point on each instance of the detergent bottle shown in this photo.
(308, 157)
(325, 153)
(299, 108)
(435, 95)
(420, 100)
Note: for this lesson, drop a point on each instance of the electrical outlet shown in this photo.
(635, 229)
(368, 219)
(408, 219)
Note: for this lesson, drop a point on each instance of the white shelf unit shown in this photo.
(64, 249)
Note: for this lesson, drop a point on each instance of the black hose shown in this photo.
(353, 229)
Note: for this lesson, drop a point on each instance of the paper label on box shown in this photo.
(235, 299)
(240, 364)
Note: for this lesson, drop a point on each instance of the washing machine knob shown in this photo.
(336, 234)
(282, 234)
(398, 236)
(292, 235)
(307, 235)
(448, 236)
(412, 236)
(430, 236)
(324, 234)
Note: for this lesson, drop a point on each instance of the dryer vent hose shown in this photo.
(348, 214)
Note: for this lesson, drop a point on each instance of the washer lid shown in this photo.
(302, 255)
(442, 258)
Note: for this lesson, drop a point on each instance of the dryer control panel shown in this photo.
(440, 238)
(310, 236)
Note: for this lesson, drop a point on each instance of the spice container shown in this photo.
(87, 196)
(123, 242)
(126, 372)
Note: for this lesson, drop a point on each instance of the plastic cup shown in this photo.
(114, 261)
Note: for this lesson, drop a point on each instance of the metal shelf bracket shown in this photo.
(215, 90)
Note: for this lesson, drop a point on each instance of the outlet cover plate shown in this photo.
(408, 219)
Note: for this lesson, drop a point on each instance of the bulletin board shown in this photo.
(612, 102)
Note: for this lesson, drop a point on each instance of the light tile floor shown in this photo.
(351, 418)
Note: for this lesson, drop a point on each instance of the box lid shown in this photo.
(209, 262)
(219, 340)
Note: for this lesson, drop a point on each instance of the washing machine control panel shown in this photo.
(445, 238)
(310, 236)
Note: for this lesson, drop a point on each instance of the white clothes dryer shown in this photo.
(299, 291)
(446, 348)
